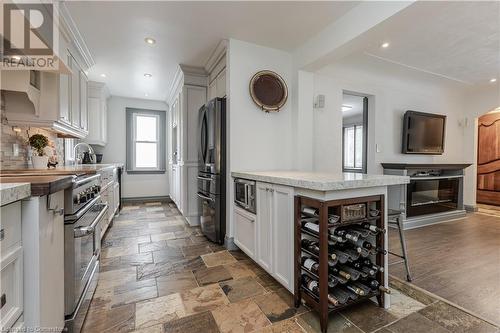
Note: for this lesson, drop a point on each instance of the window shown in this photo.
(145, 141)
(353, 147)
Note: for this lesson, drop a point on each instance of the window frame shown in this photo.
(131, 140)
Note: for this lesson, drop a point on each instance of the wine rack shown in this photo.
(330, 217)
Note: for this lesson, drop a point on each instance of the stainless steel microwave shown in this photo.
(245, 194)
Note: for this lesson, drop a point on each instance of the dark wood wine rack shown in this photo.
(321, 304)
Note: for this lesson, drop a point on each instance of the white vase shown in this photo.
(40, 162)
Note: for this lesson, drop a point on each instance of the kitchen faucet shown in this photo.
(75, 150)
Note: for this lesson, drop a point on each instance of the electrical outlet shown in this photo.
(15, 149)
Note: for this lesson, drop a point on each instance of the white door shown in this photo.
(244, 231)
(264, 226)
(283, 235)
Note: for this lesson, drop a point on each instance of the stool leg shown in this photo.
(403, 247)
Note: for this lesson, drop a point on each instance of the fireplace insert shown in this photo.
(430, 195)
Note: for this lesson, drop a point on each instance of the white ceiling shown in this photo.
(456, 40)
(187, 33)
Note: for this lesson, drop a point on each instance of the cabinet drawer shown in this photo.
(11, 289)
(10, 226)
(244, 231)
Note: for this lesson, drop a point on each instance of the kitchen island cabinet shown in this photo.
(274, 220)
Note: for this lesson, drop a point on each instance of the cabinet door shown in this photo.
(94, 121)
(264, 227)
(11, 288)
(64, 98)
(116, 196)
(282, 243)
(104, 121)
(221, 84)
(212, 89)
(75, 93)
(83, 102)
(244, 231)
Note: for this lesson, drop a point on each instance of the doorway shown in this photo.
(488, 159)
(354, 132)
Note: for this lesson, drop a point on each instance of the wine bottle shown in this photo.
(310, 264)
(332, 262)
(342, 256)
(368, 263)
(343, 234)
(362, 268)
(360, 285)
(340, 295)
(340, 272)
(311, 226)
(310, 211)
(362, 231)
(362, 243)
(378, 250)
(351, 271)
(352, 295)
(372, 228)
(365, 253)
(313, 286)
(375, 285)
(355, 289)
(313, 247)
(352, 253)
(332, 281)
(336, 239)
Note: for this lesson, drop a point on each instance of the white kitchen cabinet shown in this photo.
(275, 231)
(264, 226)
(74, 94)
(97, 112)
(220, 83)
(84, 117)
(11, 266)
(244, 230)
(116, 197)
(43, 247)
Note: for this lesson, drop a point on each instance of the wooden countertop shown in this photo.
(41, 185)
(81, 169)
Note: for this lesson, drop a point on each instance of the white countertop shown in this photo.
(322, 181)
(10, 192)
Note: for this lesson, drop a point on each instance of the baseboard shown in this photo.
(158, 198)
(471, 208)
(229, 244)
(425, 220)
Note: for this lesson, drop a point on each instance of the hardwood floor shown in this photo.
(457, 260)
(159, 275)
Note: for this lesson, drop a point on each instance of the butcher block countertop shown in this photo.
(40, 185)
(13, 192)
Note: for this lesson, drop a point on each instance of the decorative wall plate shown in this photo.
(268, 90)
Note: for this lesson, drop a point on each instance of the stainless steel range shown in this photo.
(82, 246)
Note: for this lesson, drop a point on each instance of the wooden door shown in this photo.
(488, 159)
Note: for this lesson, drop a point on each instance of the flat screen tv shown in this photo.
(423, 133)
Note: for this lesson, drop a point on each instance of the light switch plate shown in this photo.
(377, 148)
(15, 149)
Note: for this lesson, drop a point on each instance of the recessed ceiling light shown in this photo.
(16, 58)
(385, 45)
(493, 80)
(103, 75)
(148, 75)
(346, 107)
(150, 41)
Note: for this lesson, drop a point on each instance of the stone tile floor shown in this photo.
(160, 275)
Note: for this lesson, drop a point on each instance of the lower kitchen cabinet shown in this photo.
(244, 230)
(273, 231)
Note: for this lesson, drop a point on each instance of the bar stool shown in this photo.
(396, 219)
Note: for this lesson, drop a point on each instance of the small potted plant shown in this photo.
(38, 142)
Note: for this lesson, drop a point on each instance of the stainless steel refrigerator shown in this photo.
(212, 169)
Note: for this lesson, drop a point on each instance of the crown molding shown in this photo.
(216, 56)
(71, 30)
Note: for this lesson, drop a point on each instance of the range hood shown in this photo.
(32, 99)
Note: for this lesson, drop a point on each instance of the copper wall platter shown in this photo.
(268, 91)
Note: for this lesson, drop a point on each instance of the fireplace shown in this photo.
(430, 195)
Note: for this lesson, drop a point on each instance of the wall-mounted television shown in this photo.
(423, 133)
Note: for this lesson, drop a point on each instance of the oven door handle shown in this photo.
(204, 197)
(85, 231)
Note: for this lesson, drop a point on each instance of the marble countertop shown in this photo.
(322, 181)
(13, 192)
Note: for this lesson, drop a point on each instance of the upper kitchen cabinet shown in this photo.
(97, 113)
(56, 100)
(217, 79)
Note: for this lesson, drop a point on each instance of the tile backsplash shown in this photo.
(9, 137)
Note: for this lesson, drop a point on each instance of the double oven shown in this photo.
(84, 216)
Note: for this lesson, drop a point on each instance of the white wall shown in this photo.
(134, 185)
(257, 140)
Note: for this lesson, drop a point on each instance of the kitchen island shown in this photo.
(268, 235)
